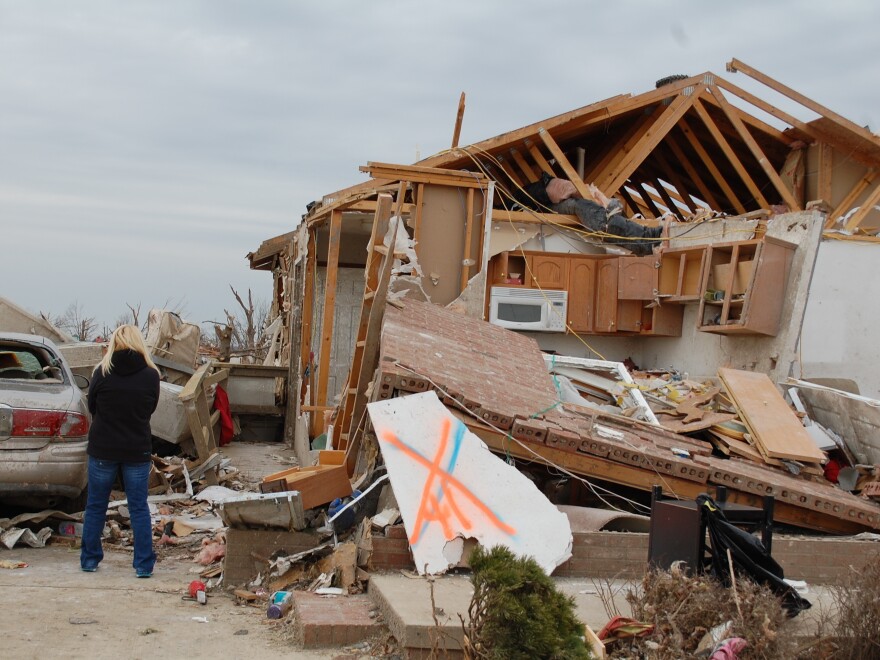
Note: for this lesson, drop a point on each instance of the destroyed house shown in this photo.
(529, 324)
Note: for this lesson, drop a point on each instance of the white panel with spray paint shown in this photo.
(450, 487)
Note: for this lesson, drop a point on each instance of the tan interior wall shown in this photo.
(442, 232)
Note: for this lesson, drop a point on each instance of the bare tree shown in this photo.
(243, 335)
(76, 323)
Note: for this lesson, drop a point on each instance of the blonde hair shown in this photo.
(125, 337)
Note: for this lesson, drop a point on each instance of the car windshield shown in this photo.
(25, 362)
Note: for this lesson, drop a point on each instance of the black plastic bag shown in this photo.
(749, 556)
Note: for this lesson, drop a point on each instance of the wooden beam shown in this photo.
(735, 65)
(671, 142)
(624, 145)
(754, 123)
(509, 171)
(420, 207)
(709, 164)
(825, 168)
(419, 174)
(864, 209)
(540, 161)
(468, 230)
(674, 111)
(756, 150)
(534, 218)
(456, 133)
(308, 317)
(761, 104)
(564, 163)
(849, 201)
(731, 155)
(635, 204)
(325, 350)
(370, 205)
(524, 165)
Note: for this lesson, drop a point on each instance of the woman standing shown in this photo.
(123, 394)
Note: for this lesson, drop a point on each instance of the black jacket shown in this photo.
(121, 403)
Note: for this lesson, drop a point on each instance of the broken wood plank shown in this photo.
(459, 117)
(776, 430)
(708, 420)
(849, 201)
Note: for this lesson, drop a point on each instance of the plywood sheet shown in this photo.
(775, 428)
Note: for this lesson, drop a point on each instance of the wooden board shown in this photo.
(772, 424)
(709, 419)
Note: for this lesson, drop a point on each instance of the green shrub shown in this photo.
(517, 613)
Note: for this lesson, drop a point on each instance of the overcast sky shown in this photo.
(147, 147)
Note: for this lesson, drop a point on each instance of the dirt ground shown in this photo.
(52, 609)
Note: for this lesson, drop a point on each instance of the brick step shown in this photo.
(321, 621)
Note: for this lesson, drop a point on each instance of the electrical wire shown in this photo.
(594, 488)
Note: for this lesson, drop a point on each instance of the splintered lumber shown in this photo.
(775, 429)
(709, 420)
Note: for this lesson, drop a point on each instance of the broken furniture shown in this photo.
(678, 527)
(316, 484)
(744, 286)
(263, 511)
(194, 397)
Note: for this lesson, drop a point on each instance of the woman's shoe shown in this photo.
(145, 574)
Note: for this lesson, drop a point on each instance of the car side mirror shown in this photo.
(81, 381)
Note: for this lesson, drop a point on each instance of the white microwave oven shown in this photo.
(528, 309)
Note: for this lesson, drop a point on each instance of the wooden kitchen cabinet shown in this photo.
(637, 277)
(547, 271)
(680, 275)
(606, 296)
(743, 286)
(582, 293)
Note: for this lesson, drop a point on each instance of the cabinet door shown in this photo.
(549, 272)
(606, 296)
(582, 294)
(637, 279)
(629, 315)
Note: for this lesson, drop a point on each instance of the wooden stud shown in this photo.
(564, 163)
(756, 150)
(308, 316)
(325, 350)
(509, 171)
(458, 119)
(468, 229)
(713, 169)
(735, 65)
(823, 183)
(866, 207)
(540, 161)
(534, 218)
(731, 155)
(674, 111)
(420, 207)
(851, 197)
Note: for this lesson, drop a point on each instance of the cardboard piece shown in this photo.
(451, 488)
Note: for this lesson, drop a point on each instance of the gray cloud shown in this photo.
(146, 147)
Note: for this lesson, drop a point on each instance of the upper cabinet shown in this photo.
(681, 274)
(743, 286)
(547, 270)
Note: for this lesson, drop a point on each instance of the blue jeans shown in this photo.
(102, 475)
